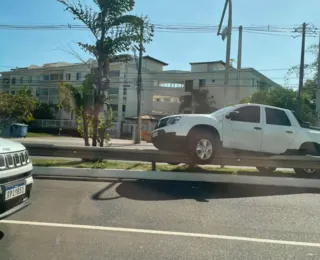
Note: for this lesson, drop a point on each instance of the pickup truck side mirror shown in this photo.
(232, 115)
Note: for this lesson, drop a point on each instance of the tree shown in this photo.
(43, 111)
(81, 100)
(285, 98)
(114, 31)
(17, 107)
(201, 102)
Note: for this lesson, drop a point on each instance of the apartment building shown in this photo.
(210, 75)
(44, 81)
(160, 92)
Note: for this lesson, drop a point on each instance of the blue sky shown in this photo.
(263, 52)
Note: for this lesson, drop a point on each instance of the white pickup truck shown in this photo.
(15, 177)
(245, 127)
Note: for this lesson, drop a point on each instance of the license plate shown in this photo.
(15, 191)
(154, 134)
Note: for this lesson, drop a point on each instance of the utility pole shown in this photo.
(226, 33)
(226, 79)
(299, 108)
(139, 87)
(318, 88)
(239, 60)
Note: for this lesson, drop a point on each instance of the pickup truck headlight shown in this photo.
(173, 120)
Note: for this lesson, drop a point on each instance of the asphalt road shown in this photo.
(163, 220)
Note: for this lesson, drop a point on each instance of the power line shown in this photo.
(177, 28)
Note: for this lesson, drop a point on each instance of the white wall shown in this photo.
(152, 65)
(231, 94)
(199, 68)
(215, 66)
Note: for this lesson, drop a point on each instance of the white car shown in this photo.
(15, 177)
(244, 127)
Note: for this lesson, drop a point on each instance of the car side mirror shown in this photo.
(232, 115)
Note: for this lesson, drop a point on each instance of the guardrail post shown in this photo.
(153, 166)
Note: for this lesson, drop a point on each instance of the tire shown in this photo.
(308, 172)
(266, 169)
(202, 146)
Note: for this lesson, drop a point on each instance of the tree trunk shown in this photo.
(85, 128)
(97, 105)
(106, 69)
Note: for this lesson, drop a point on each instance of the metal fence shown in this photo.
(64, 124)
(116, 131)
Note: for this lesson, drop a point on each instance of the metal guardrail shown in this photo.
(153, 156)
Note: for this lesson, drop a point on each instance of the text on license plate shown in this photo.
(154, 134)
(15, 191)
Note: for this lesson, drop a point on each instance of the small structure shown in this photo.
(128, 127)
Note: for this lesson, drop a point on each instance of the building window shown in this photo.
(44, 92)
(113, 91)
(213, 81)
(30, 79)
(202, 82)
(13, 81)
(125, 91)
(21, 80)
(61, 76)
(45, 77)
(114, 73)
(6, 82)
(123, 108)
(114, 107)
(37, 92)
(78, 75)
(53, 91)
(252, 82)
(188, 85)
(54, 76)
(68, 76)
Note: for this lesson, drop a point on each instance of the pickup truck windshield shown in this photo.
(222, 111)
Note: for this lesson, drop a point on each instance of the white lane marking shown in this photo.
(160, 232)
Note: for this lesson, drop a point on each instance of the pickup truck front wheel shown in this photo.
(202, 145)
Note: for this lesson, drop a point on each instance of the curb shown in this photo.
(174, 176)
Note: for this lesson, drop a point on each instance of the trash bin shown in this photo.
(18, 130)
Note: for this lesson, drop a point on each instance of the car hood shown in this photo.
(7, 146)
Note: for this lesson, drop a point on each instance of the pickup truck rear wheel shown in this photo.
(307, 172)
(202, 145)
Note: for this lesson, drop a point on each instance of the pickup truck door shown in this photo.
(278, 132)
(243, 132)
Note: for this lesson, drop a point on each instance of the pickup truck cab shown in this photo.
(245, 127)
(15, 177)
